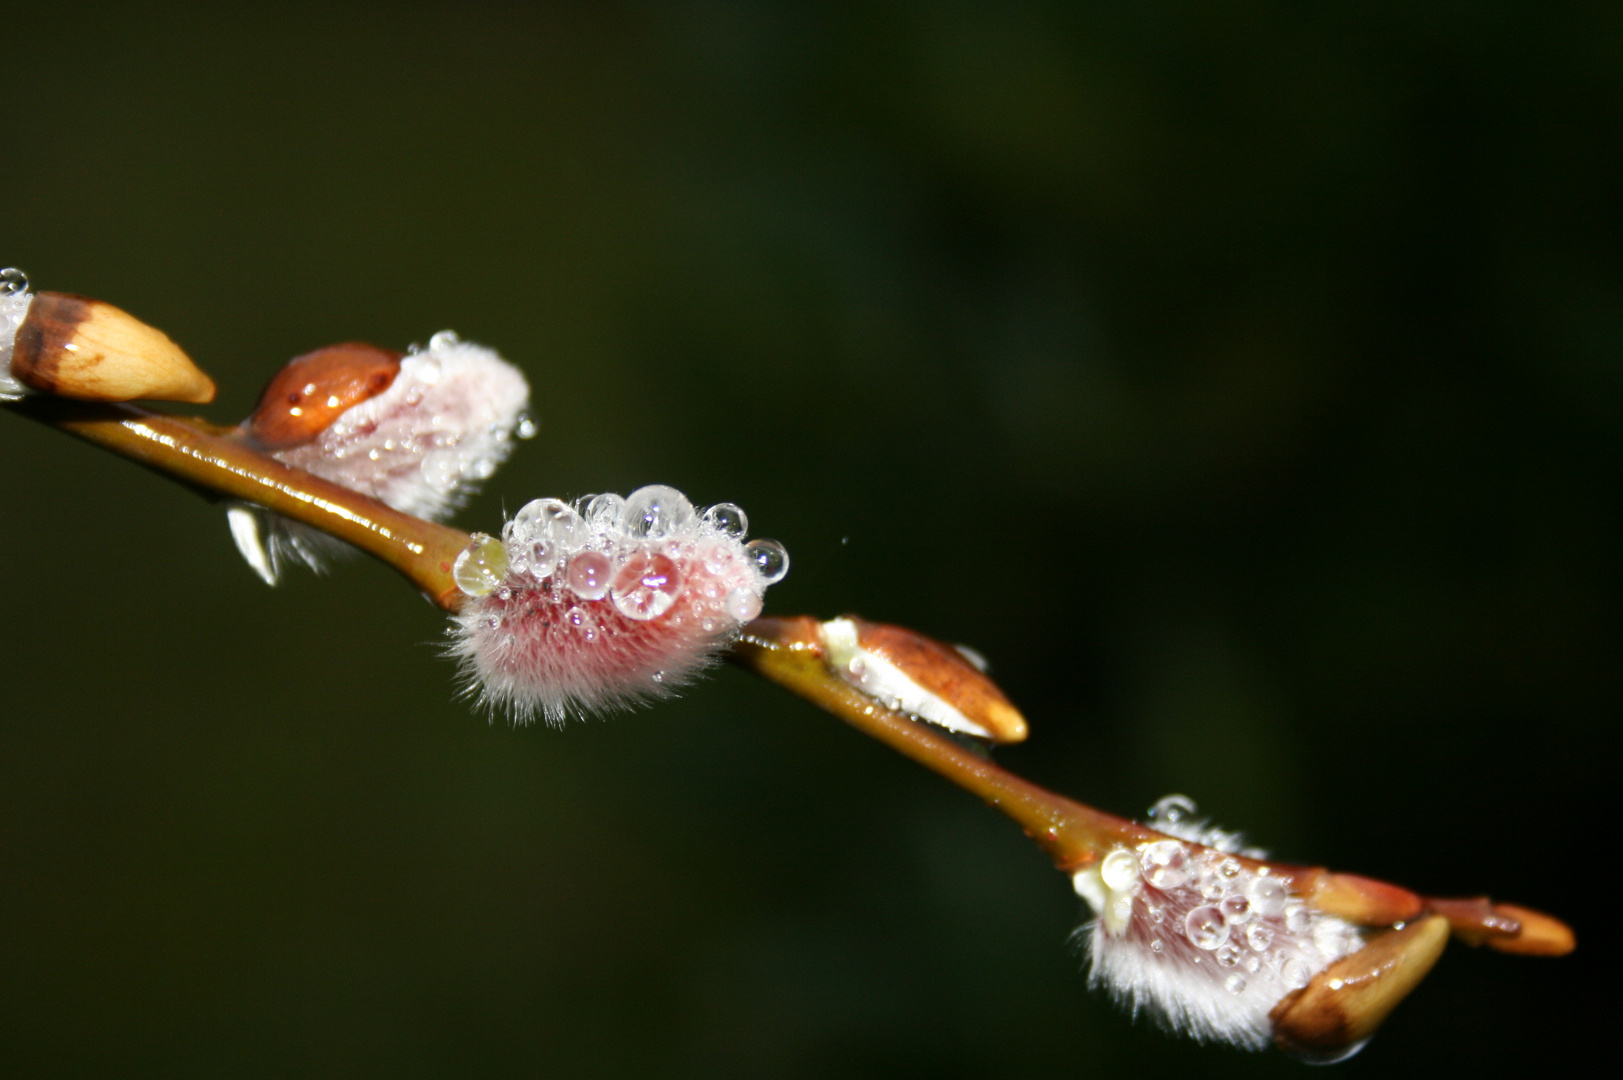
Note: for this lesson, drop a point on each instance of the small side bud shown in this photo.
(76, 347)
(1335, 1014)
(914, 674)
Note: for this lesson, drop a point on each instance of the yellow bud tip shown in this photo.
(74, 347)
(1333, 1015)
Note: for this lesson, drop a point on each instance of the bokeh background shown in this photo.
(1242, 380)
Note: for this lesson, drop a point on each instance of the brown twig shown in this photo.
(212, 460)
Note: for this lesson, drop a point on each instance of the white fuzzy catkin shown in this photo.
(1198, 940)
(422, 446)
(15, 300)
(605, 604)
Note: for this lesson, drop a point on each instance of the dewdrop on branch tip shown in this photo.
(605, 603)
(418, 431)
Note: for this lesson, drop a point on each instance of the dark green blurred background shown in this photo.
(1243, 380)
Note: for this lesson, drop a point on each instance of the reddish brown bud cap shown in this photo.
(75, 347)
(313, 390)
(1332, 1016)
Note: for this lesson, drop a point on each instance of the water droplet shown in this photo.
(445, 339)
(12, 280)
(1235, 984)
(588, 576)
(1119, 870)
(769, 558)
(526, 428)
(1156, 945)
(426, 369)
(1259, 937)
(659, 676)
(577, 617)
(549, 519)
(1166, 864)
(373, 454)
(1212, 887)
(657, 512)
(481, 566)
(1253, 964)
(1295, 975)
(743, 604)
(1297, 919)
(1230, 868)
(646, 586)
(1236, 909)
(1229, 955)
(1172, 810)
(441, 469)
(543, 559)
(728, 519)
(605, 511)
(1154, 912)
(1205, 927)
(1267, 896)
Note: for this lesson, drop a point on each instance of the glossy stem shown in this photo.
(788, 651)
(211, 459)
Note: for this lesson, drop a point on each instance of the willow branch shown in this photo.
(214, 461)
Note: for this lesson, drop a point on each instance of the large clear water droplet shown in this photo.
(742, 604)
(646, 586)
(728, 519)
(12, 280)
(769, 558)
(1267, 896)
(1166, 864)
(445, 339)
(604, 512)
(526, 428)
(588, 576)
(657, 512)
(480, 567)
(1236, 910)
(1205, 927)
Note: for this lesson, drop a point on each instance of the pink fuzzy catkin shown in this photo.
(605, 604)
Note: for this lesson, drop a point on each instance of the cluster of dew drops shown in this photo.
(1246, 920)
(640, 553)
